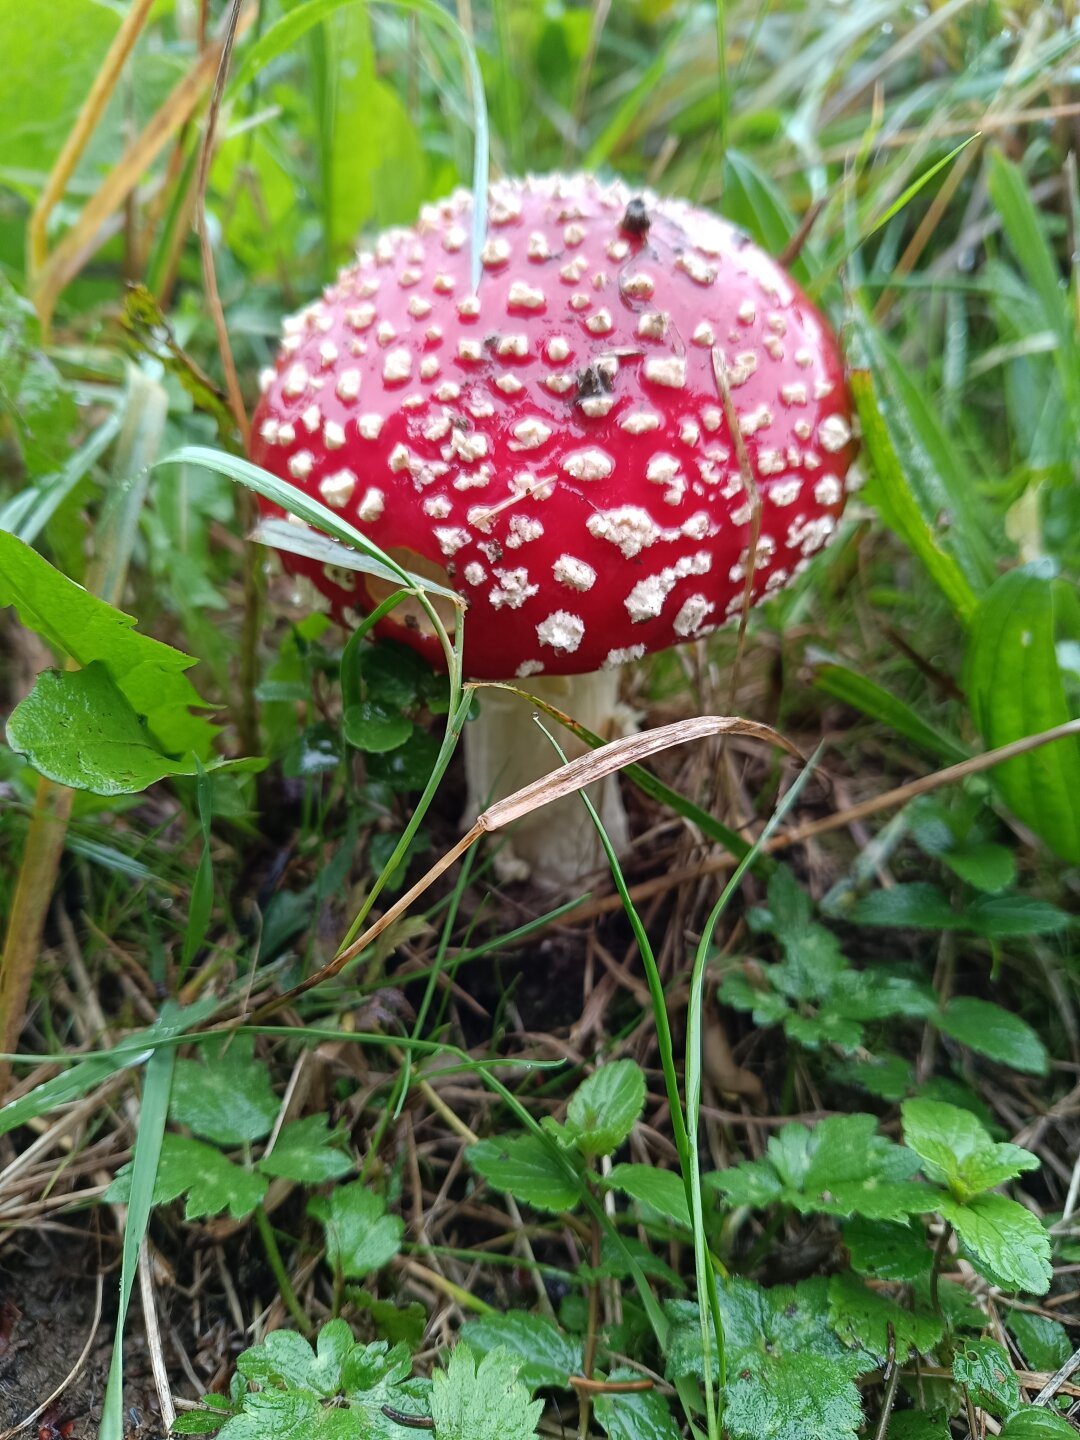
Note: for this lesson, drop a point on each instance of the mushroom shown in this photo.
(557, 446)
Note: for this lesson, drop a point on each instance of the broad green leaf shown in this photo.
(959, 1307)
(545, 1354)
(956, 1150)
(1045, 1342)
(1016, 688)
(226, 1096)
(863, 1318)
(73, 622)
(375, 727)
(373, 168)
(529, 1169)
(984, 865)
(308, 1151)
(604, 1108)
(48, 71)
(211, 1183)
(887, 1250)
(663, 1190)
(842, 1167)
(360, 1236)
(485, 1401)
(1030, 1423)
(76, 727)
(34, 399)
(635, 1416)
(1006, 1240)
(984, 1368)
(994, 1032)
(862, 693)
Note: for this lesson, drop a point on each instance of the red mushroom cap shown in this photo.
(554, 445)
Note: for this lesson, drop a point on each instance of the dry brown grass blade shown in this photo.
(630, 750)
(206, 250)
(888, 800)
(87, 234)
(93, 108)
(563, 781)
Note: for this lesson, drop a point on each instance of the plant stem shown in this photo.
(281, 1275)
(26, 923)
(939, 1258)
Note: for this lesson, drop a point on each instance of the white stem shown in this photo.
(556, 846)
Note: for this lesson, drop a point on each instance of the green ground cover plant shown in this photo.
(770, 1135)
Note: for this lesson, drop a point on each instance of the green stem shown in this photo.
(281, 1275)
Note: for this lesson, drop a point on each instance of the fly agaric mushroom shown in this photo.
(555, 446)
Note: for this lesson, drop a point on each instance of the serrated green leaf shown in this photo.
(360, 1236)
(528, 1169)
(395, 1323)
(308, 1151)
(604, 1108)
(863, 1318)
(211, 1182)
(918, 904)
(1044, 1342)
(545, 1354)
(226, 1096)
(984, 1368)
(956, 1150)
(286, 1359)
(994, 1032)
(73, 622)
(887, 1250)
(842, 1167)
(766, 1005)
(635, 1416)
(827, 1027)
(1016, 688)
(288, 1415)
(485, 1401)
(663, 1190)
(888, 1076)
(198, 1422)
(1006, 1240)
(1030, 1423)
(765, 1332)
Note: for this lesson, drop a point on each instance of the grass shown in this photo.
(916, 168)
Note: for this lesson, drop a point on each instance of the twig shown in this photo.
(1057, 1380)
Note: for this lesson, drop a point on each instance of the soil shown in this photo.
(48, 1292)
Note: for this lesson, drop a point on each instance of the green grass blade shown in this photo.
(153, 1112)
(917, 184)
(864, 694)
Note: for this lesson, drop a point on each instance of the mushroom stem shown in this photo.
(556, 846)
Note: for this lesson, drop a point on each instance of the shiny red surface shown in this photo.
(574, 536)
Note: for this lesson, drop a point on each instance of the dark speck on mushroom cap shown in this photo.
(555, 444)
